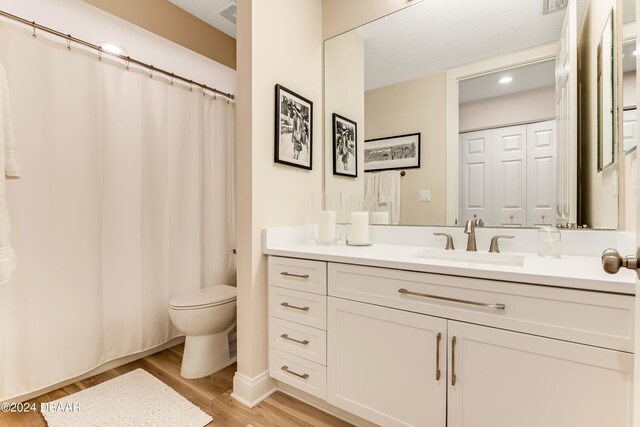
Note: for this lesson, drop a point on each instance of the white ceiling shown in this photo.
(435, 35)
(525, 78)
(208, 11)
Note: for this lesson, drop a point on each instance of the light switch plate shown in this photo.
(425, 196)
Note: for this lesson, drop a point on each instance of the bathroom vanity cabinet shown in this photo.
(411, 348)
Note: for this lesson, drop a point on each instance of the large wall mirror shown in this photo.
(497, 96)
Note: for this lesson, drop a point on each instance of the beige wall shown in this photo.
(279, 41)
(598, 204)
(173, 23)
(415, 106)
(340, 16)
(344, 95)
(523, 107)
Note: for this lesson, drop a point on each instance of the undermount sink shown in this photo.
(471, 257)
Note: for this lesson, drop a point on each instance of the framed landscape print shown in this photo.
(294, 129)
(345, 146)
(394, 152)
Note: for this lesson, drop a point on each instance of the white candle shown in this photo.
(359, 228)
(327, 226)
(380, 217)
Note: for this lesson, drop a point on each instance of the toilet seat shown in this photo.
(210, 296)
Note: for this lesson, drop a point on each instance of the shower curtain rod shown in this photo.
(128, 59)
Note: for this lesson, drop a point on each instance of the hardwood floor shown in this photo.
(212, 394)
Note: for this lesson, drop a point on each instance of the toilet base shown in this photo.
(205, 355)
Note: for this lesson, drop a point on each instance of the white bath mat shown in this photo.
(133, 399)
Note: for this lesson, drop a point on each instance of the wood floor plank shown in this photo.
(212, 394)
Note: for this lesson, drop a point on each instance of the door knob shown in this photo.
(612, 261)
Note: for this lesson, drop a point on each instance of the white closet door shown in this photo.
(477, 176)
(510, 176)
(541, 173)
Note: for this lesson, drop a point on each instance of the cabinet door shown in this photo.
(500, 378)
(382, 364)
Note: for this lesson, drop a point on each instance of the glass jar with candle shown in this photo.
(358, 224)
(326, 211)
(549, 242)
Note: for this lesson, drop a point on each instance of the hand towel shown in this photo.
(11, 171)
(389, 191)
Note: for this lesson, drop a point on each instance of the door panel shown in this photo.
(477, 183)
(381, 364)
(541, 170)
(510, 149)
(505, 379)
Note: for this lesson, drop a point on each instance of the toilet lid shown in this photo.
(209, 296)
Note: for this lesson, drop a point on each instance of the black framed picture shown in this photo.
(345, 146)
(294, 129)
(394, 152)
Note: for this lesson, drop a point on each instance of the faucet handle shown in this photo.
(494, 242)
(449, 246)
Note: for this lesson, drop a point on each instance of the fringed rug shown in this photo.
(133, 399)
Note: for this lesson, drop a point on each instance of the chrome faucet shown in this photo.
(470, 229)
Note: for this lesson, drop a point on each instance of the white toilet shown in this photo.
(207, 318)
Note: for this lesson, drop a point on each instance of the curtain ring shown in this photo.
(204, 88)
(33, 23)
(68, 41)
(214, 96)
(190, 85)
(172, 75)
(127, 64)
(151, 73)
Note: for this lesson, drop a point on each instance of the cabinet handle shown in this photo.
(286, 369)
(286, 304)
(497, 306)
(438, 337)
(286, 337)
(453, 361)
(302, 276)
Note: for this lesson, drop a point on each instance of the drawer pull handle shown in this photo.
(286, 304)
(286, 369)
(461, 301)
(286, 337)
(438, 337)
(453, 361)
(301, 276)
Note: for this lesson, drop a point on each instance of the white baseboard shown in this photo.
(251, 391)
(100, 369)
(323, 405)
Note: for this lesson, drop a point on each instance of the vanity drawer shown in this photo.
(300, 373)
(298, 274)
(595, 318)
(300, 340)
(300, 307)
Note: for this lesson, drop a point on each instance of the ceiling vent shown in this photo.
(228, 11)
(550, 6)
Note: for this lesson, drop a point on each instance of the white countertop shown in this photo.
(568, 271)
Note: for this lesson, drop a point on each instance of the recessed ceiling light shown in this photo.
(112, 48)
(505, 80)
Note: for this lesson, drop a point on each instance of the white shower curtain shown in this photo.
(125, 201)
